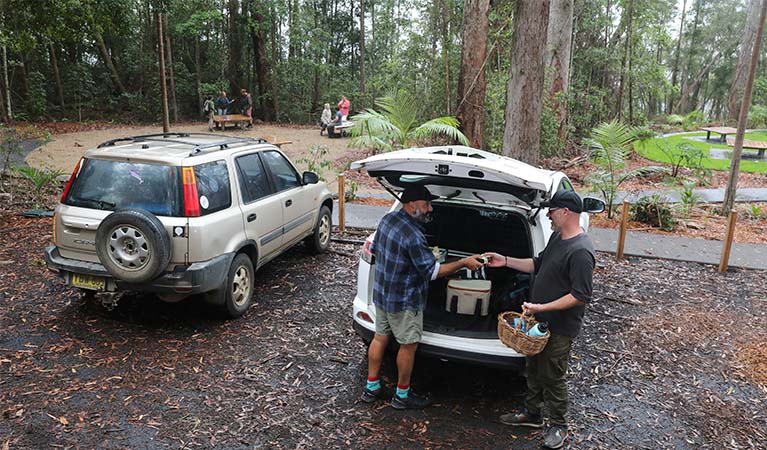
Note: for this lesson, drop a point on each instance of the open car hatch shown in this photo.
(460, 173)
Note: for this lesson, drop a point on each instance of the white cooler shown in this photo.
(466, 294)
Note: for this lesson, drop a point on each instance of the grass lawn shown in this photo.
(652, 149)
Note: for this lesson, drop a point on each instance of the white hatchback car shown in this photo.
(487, 203)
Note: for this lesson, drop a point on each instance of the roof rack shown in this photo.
(198, 148)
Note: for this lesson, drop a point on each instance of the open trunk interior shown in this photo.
(460, 231)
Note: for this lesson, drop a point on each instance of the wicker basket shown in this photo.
(516, 339)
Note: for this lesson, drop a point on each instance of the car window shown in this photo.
(213, 187)
(283, 174)
(565, 185)
(110, 185)
(253, 181)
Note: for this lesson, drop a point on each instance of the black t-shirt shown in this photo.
(564, 267)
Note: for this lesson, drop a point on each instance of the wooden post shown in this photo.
(624, 226)
(728, 241)
(341, 204)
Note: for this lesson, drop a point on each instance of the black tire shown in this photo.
(238, 287)
(319, 240)
(133, 245)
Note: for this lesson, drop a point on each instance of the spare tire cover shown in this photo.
(133, 245)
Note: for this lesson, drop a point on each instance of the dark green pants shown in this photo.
(546, 379)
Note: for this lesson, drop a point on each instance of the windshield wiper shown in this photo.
(101, 203)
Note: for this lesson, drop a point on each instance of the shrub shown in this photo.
(10, 147)
(654, 212)
(674, 119)
(757, 117)
(41, 179)
(693, 119)
(688, 197)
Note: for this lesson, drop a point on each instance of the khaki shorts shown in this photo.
(406, 326)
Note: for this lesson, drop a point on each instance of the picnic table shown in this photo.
(723, 131)
(760, 146)
(337, 131)
(277, 142)
(222, 121)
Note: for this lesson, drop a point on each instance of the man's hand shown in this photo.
(531, 308)
(496, 260)
(473, 262)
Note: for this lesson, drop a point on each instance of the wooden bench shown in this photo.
(236, 119)
(759, 146)
(337, 131)
(723, 131)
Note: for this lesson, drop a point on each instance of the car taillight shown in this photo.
(366, 254)
(191, 202)
(54, 229)
(71, 179)
(365, 316)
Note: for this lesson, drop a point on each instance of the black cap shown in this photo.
(418, 192)
(565, 199)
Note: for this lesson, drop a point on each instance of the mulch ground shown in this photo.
(672, 356)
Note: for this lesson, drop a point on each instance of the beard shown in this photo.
(421, 216)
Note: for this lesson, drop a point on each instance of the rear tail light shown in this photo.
(54, 229)
(367, 252)
(191, 202)
(71, 179)
(365, 316)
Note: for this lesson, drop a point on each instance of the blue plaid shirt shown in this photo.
(404, 264)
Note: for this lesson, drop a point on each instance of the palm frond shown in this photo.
(445, 126)
(400, 109)
(639, 171)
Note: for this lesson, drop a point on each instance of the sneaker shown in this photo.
(382, 393)
(555, 436)
(412, 401)
(523, 419)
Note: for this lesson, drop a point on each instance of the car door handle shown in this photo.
(252, 217)
(288, 202)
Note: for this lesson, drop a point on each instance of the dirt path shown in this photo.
(65, 149)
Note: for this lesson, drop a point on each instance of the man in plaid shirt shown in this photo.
(404, 266)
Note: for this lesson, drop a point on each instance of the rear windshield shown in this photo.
(110, 185)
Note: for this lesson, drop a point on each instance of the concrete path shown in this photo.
(648, 245)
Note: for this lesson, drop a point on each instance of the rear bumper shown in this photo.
(478, 352)
(196, 278)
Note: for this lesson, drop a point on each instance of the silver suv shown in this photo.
(178, 214)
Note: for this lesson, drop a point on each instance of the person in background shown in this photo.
(325, 118)
(343, 106)
(404, 267)
(338, 120)
(246, 103)
(561, 290)
(222, 103)
(209, 109)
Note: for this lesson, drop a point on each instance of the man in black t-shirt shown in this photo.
(561, 289)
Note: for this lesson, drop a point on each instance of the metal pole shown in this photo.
(341, 203)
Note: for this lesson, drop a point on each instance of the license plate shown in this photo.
(88, 282)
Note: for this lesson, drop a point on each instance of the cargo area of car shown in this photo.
(458, 231)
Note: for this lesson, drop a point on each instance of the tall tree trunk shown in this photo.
(626, 55)
(170, 68)
(362, 47)
(235, 50)
(675, 70)
(681, 105)
(689, 88)
(6, 85)
(732, 182)
(558, 45)
(3, 112)
(522, 132)
(261, 59)
(276, 61)
(447, 12)
(161, 69)
(744, 58)
(198, 73)
(102, 48)
(472, 81)
(56, 75)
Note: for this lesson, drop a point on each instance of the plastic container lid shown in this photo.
(470, 285)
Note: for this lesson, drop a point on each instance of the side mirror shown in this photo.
(593, 205)
(313, 178)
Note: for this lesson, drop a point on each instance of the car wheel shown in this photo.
(133, 245)
(319, 241)
(238, 291)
